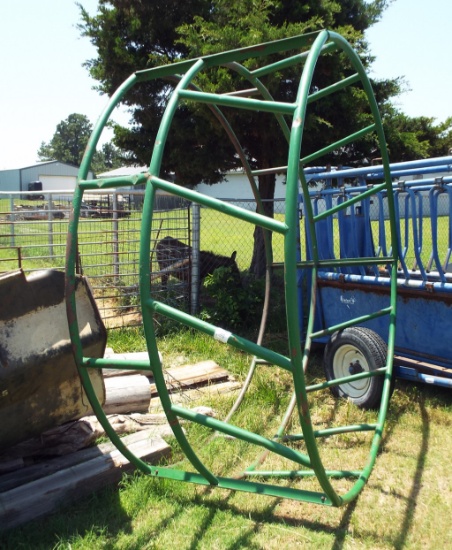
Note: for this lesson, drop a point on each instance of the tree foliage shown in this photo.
(69, 142)
(416, 138)
(130, 36)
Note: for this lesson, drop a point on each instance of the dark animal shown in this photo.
(174, 258)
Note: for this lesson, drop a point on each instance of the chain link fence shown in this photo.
(186, 243)
(33, 233)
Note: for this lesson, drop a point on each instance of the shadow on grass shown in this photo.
(99, 514)
(103, 515)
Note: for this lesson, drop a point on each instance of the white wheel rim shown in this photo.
(345, 356)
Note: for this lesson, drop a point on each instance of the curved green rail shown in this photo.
(303, 52)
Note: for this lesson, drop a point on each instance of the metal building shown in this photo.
(54, 176)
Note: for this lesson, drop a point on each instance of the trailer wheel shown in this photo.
(351, 351)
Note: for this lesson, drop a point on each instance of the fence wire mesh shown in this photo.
(186, 243)
(33, 237)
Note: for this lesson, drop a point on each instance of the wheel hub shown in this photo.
(355, 368)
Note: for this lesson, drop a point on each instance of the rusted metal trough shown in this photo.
(39, 383)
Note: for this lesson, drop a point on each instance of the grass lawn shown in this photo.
(407, 502)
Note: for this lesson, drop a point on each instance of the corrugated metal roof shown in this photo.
(123, 171)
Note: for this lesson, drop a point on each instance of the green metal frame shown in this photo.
(310, 47)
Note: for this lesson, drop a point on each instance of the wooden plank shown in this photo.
(43, 496)
(126, 394)
(180, 378)
(55, 464)
(154, 424)
(190, 397)
(133, 393)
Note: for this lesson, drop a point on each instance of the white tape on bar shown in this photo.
(222, 335)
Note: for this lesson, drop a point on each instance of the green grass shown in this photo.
(407, 502)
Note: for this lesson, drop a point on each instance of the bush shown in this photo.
(229, 305)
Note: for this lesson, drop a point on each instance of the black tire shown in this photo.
(350, 351)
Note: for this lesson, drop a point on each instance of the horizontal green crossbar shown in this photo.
(347, 379)
(221, 335)
(233, 484)
(217, 59)
(334, 431)
(244, 435)
(220, 206)
(293, 474)
(334, 88)
(338, 144)
(106, 363)
(275, 107)
(346, 262)
(118, 181)
(352, 200)
(289, 61)
(352, 322)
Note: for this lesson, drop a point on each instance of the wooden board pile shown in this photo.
(39, 475)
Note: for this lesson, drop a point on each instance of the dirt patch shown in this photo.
(116, 316)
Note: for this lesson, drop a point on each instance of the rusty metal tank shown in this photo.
(39, 383)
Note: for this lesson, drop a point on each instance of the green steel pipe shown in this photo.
(333, 88)
(221, 206)
(328, 432)
(288, 62)
(108, 183)
(220, 335)
(345, 379)
(243, 435)
(353, 493)
(299, 358)
(294, 474)
(112, 363)
(352, 200)
(242, 54)
(144, 275)
(338, 144)
(259, 105)
(346, 262)
(353, 322)
(101, 123)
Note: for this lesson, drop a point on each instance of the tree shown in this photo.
(130, 36)
(412, 138)
(107, 158)
(69, 142)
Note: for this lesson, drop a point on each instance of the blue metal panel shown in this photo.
(422, 318)
(424, 302)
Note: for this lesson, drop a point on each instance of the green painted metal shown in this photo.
(308, 50)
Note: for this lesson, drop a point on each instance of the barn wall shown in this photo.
(9, 180)
(236, 186)
(54, 175)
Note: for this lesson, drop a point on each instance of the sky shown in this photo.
(42, 80)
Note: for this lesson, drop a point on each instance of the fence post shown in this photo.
(50, 225)
(196, 224)
(13, 219)
(115, 237)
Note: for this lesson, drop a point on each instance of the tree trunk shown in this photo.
(267, 193)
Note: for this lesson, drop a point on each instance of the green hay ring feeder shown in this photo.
(303, 51)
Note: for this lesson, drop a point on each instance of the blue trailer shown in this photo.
(423, 207)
